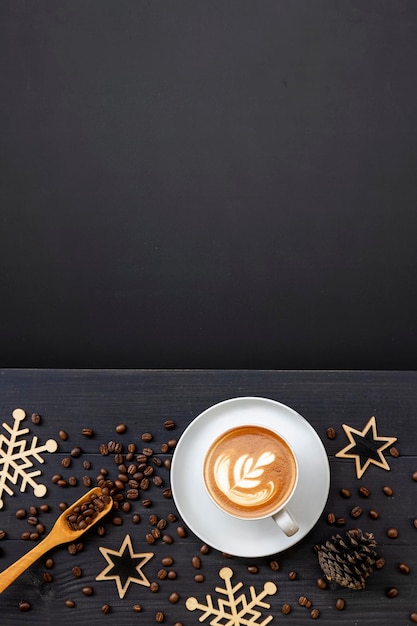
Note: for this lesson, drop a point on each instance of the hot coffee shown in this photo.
(250, 472)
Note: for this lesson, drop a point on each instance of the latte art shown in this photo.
(250, 471)
(241, 483)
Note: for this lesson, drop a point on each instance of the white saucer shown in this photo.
(247, 538)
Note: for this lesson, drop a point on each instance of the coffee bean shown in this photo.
(331, 518)
(167, 561)
(379, 563)
(172, 574)
(414, 476)
(388, 491)
(413, 617)
(34, 536)
(167, 493)
(164, 448)
(72, 480)
(117, 521)
(44, 508)
(87, 432)
(147, 452)
(404, 568)
(293, 575)
(77, 572)
(75, 452)
(87, 481)
(315, 613)
(167, 464)
(321, 583)
(47, 577)
(199, 578)
(340, 604)
(196, 562)
(340, 521)
(106, 609)
(63, 435)
(154, 587)
(174, 597)
(101, 531)
(274, 565)
(147, 437)
(171, 517)
(49, 563)
(157, 481)
(364, 492)
(392, 533)
(136, 608)
(392, 592)
(394, 452)
(172, 443)
(3, 535)
(147, 502)
(159, 617)
(167, 539)
(70, 604)
(150, 538)
(62, 506)
(181, 532)
(87, 591)
(162, 523)
(40, 528)
(35, 418)
(162, 574)
(356, 512)
(21, 513)
(25, 535)
(303, 601)
(373, 514)
(331, 433)
(345, 493)
(136, 518)
(104, 449)
(415, 522)
(286, 609)
(24, 606)
(120, 428)
(66, 461)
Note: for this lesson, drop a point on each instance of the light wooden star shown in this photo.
(124, 566)
(368, 446)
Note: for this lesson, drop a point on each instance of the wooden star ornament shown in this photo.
(124, 566)
(366, 447)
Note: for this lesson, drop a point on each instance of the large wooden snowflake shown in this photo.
(16, 458)
(234, 610)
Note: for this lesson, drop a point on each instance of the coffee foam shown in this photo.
(249, 471)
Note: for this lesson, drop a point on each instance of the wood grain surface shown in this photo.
(143, 400)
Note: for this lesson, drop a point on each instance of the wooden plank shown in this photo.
(143, 400)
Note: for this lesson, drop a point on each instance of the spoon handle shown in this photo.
(18, 567)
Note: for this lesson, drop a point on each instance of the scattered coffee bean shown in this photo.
(70, 604)
(136, 608)
(87, 432)
(392, 592)
(196, 562)
(150, 538)
(25, 535)
(164, 448)
(63, 435)
(167, 539)
(167, 464)
(274, 565)
(47, 577)
(21, 513)
(414, 476)
(172, 443)
(87, 481)
(147, 437)
(331, 518)
(24, 606)
(35, 418)
(303, 601)
(40, 528)
(104, 449)
(373, 514)
(172, 574)
(356, 512)
(181, 532)
(3, 535)
(44, 508)
(315, 613)
(120, 428)
(167, 561)
(252, 569)
(66, 461)
(340, 604)
(162, 574)
(293, 575)
(415, 522)
(169, 424)
(413, 617)
(345, 493)
(394, 452)
(171, 517)
(286, 609)
(154, 587)
(364, 492)
(62, 506)
(101, 531)
(49, 563)
(77, 572)
(117, 521)
(159, 617)
(379, 563)
(87, 591)
(199, 578)
(106, 609)
(136, 518)
(388, 491)
(75, 452)
(174, 597)
(340, 521)
(73, 481)
(404, 568)
(392, 533)
(331, 433)
(72, 549)
(321, 583)
(147, 502)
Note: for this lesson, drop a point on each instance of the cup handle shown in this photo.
(286, 522)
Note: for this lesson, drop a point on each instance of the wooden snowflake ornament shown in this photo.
(366, 447)
(16, 458)
(234, 610)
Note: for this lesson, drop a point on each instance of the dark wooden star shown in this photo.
(124, 566)
(366, 447)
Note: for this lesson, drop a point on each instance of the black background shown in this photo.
(208, 184)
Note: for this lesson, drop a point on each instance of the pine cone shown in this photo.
(348, 561)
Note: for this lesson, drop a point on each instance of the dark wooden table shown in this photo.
(143, 400)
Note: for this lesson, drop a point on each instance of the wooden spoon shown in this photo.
(60, 533)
